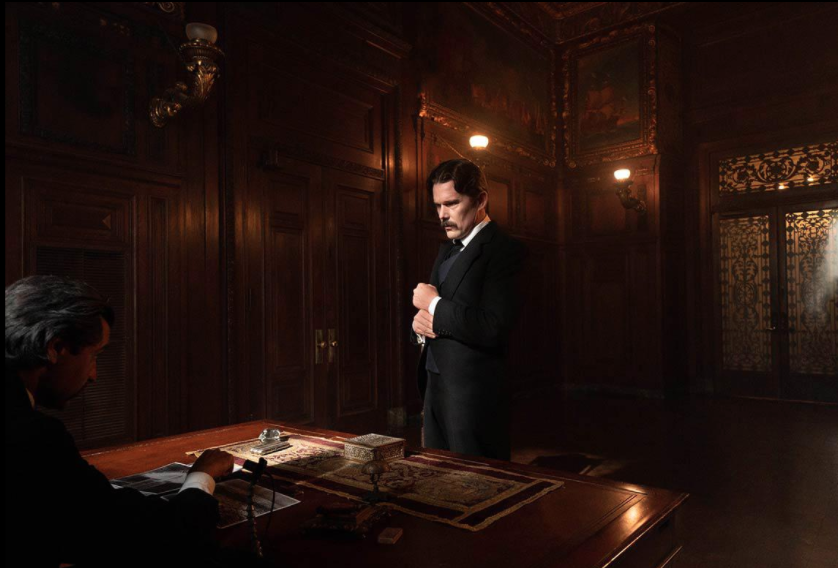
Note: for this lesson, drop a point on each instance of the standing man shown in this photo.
(59, 508)
(464, 318)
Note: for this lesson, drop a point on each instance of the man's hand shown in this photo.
(423, 323)
(214, 463)
(422, 296)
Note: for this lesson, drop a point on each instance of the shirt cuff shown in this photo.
(199, 480)
(420, 339)
(432, 305)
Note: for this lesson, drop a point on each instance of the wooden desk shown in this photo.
(589, 523)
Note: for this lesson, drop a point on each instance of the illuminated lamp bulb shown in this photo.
(478, 142)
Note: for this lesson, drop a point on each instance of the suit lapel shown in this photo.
(471, 253)
(443, 252)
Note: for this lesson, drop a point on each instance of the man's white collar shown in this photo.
(474, 231)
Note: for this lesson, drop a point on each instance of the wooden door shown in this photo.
(286, 291)
(355, 300)
(808, 286)
(321, 295)
(777, 302)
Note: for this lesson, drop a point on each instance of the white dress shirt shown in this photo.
(465, 242)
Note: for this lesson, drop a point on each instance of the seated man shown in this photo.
(59, 508)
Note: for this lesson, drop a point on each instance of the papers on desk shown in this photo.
(232, 501)
(165, 482)
(160, 481)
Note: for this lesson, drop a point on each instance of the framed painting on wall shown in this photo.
(610, 99)
(475, 76)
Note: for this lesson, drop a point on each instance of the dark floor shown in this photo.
(762, 476)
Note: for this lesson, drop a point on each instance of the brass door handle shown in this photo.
(333, 345)
(319, 346)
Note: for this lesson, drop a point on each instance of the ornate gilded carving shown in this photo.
(745, 282)
(812, 276)
(371, 447)
(790, 168)
(517, 17)
(177, 9)
(201, 58)
(459, 123)
(593, 17)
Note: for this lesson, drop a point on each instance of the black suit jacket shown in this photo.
(59, 508)
(479, 305)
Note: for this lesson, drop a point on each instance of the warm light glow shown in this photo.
(478, 142)
(621, 175)
(781, 186)
(810, 179)
(197, 30)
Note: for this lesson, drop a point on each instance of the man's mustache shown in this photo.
(447, 224)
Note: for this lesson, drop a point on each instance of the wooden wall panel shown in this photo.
(298, 108)
(290, 217)
(760, 109)
(501, 200)
(356, 257)
(87, 172)
(86, 230)
(538, 329)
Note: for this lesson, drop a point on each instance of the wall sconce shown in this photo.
(478, 144)
(201, 57)
(623, 184)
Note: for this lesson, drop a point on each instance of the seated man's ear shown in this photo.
(55, 347)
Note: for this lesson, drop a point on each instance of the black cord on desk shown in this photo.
(273, 502)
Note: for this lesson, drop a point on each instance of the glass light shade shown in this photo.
(478, 141)
(621, 175)
(197, 30)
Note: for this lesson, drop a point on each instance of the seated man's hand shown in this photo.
(214, 463)
(423, 323)
(422, 296)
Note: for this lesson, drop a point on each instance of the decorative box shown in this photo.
(371, 447)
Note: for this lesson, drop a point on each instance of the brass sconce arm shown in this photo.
(627, 200)
(201, 57)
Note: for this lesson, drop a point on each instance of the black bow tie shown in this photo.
(454, 250)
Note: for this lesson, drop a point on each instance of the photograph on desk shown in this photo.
(422, 284)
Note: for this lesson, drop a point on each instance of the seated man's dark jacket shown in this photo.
(60, 509)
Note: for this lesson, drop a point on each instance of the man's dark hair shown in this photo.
(40, 308)
(468, 179)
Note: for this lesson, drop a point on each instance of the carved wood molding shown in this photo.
(459, 123)
(572, 24)
(810, 166)
(175, 9)
(511, 20)
(271, 160)
(547, 24)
